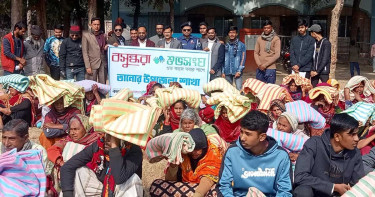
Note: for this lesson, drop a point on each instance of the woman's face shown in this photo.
(360, 88)
(224, 113)
(178, 109)
(153, 90)
(196, 153)
(187, 125)
(89, 95)
(76, 130)
(59, 105)
(13, 91)
(293, 87)
(276, 111)
(284, 125)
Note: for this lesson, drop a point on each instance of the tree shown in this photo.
(333, 35)
(355, 20)
(92, 10)
(16, 11)
(159, 4)
(136, 4)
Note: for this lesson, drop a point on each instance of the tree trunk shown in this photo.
(100, 14)
(355, 20)
(92, 10)
(137, 12)
(16, 11)
(41, 17)
(333, 34)
(171, 12)
(28, 21)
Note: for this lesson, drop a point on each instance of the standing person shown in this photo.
(168, 41)
(266, 53)
(94, 47)
(373, 57)
(354, 58)
(133, 36)
(142, 40)
(12, 50)
(34, 52)
(51, 51)
(159, 33)
(187, 40)
(217, 52)
(72, 64)
(322, 56)
(302, 50)
(330, 164)
(235, 57)
(203, 29)
(116, 38)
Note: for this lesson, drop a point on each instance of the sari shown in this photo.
(227, 130)
(28, 114)
(174, 119)
(280, 104)
(149, 88)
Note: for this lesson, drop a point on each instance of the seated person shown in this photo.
(255, 162)
(56, 122)
(16, 105)
(199, 171)
(358, 88)
(227, 130)
(112, 170)
(277, 107)
(172, 116)
(324, 107)
(92, 97)
(150, 91)
(295, 91)
(334, 83)
(369, 161)
(330, 164)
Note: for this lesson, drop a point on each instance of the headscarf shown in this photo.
(353, 83)
(268, 38)
(149, 88)
(228, 131)
(174, 119)
(292, 119)
(280, 104)
(207, 114)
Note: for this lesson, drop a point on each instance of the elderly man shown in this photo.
(34, 52)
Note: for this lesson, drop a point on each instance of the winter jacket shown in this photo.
(71, 54)
(269, 172)
(369, 161)
(51, 50)
(319, 167)
(149, 43)
(322, 57)
(234, 62)
(11, 48)
(217, 56)
(34, 58)
(302, 51)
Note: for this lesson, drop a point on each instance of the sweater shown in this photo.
(267, 59)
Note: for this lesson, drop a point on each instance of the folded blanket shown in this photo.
(125, 95)
(168, 96)
(87, 86)
(300, 81)
(170, 145)
(253, 85)
(364, 188)
(22, 174)
(305, 113)
(48, 91)
(237, 105)
(16, 81)
(353, 83)
(270, 92)
(289, 141)
(329, 93)
(220, 85)
(71, 149)
(361, 111)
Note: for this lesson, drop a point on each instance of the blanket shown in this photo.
(16, 81)
(361, 111)
(364, 188)
(300, 81)
(168, 96)
(219, 85)
(305, 113)
(87, 86)
(330, 94)
(353, 83)
(288, 141)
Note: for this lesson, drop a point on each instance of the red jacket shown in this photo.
(7, 63)
(149, 43)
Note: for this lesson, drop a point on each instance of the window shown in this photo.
(256, 22)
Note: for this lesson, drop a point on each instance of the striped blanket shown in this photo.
(289, 141)
(168, 96)
(253, 85)
(364, 188)
(171, 146)
(48, 91)
(125, 95)
(353, 83)
(87, 86)
(362, 111)
(125, 120)
(237, 105)
(300, 81)
(220, 85)
(305, 113)
(330, 94)
(22, 174)
(16, 81)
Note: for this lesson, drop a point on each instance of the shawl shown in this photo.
(219, 85)
(87, 86)
(174, 119)
(278, 103)
(268, 38)
(235, 47)
(168, 96)
(64, 117)
(305, 113)
(16, 81)
(16, 100)
(353, 83)
(149, 88)
(22, 173)
(361, 111)
(170, 146)
(328, 115)
(208, 166)
(228, 131)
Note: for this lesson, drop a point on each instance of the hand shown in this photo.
(115, 44)
(341, 188)
(293, 156)
(106, 47)
(94, 88)
(21, 66)
(313, 73)
(89, 71)
(22, 61)
(295, 68)
(206, 49)
(223, 75)
(212, 72)
(360, 124)
(167, 116)
(357, 96)
(238, 74)
(261, 67)
(115, 142)
(6, 111)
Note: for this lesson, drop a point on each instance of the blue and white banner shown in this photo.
(135, 67)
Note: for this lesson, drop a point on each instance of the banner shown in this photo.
(135, 67)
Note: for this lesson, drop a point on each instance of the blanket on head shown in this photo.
(16, 81)
(219, 85)
(362, 111)
(364, 188)
(87, 86)
(305, 113)
(353, 83)
(168, 96)
(300, 81)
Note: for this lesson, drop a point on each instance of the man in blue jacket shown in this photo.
(255, 162)
(187, 40)
(302, 51)
(330, 164)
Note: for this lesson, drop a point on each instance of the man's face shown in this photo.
(58, 33)
(95, 25)
(302, 29)
(20, 32)
(118, 30)
(250, 139)
(203, 29)
(186, 31)
(159, 30)
(348, 140)
(74, 36)
(284, 125)
(232, 34)
(167, 33)
(142, 33)
(313, 34)
(211, 34)
(134, 34)
(267, 29)
(11, 140)
(35, 37)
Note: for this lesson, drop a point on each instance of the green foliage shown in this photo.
(157, 4)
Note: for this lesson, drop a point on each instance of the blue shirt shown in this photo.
(192, 43)
(51, 50)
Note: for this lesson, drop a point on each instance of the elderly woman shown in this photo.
(196, 174)
(227, 130)
(277, 107)
(172, 116)
(357, 89)
(56, 122)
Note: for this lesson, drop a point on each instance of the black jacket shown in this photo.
(71, 54)
(122, 167)
(319, 167)
(302, 51)
(322, 58)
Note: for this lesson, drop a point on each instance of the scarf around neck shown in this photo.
(235, 47)
(268, 38)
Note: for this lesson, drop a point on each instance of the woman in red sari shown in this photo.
(173, 116)
(227, 130)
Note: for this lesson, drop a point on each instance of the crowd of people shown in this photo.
(304, 137)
